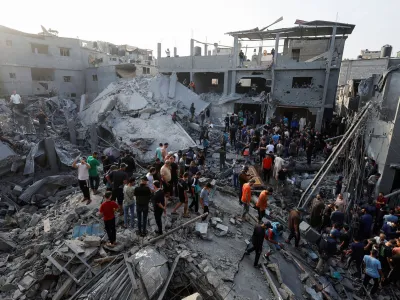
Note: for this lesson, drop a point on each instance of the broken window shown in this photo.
(67, 78)
(302, 82)
(296, 54)
(9, 43)
(245, 82)
(94, 77)
(113, 59)
(73, 95)
(44, 85)
(41, 74)
(13, 76)
(40, 49)
(64, 52)
(214, 81)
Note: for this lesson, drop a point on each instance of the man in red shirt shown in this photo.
(380, 201)
(107, 211)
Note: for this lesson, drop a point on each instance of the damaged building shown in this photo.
(46, 64)
(300, 78)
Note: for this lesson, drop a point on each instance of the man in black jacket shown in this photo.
(130, 163)
(143, 196)
(257, 242)
(159, 205)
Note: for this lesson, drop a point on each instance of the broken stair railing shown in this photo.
(314, 184)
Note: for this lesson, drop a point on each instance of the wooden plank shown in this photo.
(130, 272)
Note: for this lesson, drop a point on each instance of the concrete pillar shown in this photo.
(94, 139)
(51, 154)
(72, 133)
(259, 54)
(205, 49)
(226, 80)
(191, 76)
(172, 85)
(191, 47)
(276, 49)
(158, 50)
(175, 52)
(83, 103)
(233, 82)
(209, 53)
(235, 52)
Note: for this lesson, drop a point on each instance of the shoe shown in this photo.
(88, 202)
(186, 216)
(267, 255)
(84, 199)
(257, 266)
(158, 232)
(246, 253)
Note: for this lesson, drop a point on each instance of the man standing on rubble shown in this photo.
(246, 196)
(192, 111)
(317, 207)
(183, 189)
(130, 163)
(327, 248)
(294, 226)
(42, 118)
(164, 151)
(204, 199)
(107, 211)
(159, 205)
(83, 177)
(166, 177)
(159, 152)
(143, 196)
(117, 179)
(15, 100)
(243, 178)
(94, 177)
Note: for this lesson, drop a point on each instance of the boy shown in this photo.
(107, 211)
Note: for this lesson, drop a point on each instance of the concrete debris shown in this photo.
(202, 229)
(313, 294)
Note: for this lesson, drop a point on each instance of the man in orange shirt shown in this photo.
(262, 204)
(246, 196)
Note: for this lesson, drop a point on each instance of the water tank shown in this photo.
(197, 51)
(386, 51)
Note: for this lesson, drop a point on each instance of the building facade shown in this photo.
(45, 64)
(300, 79)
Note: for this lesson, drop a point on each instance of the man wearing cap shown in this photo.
(243, 178)
(257, 240)
(143, 196)
(294, 226)
(117, 179)
(246, 196)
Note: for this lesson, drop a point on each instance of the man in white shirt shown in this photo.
(270, 147)
(150, 178)
(15, 99)
(83, 177)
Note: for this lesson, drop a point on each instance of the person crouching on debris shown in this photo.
(257, 241)
(107, 211)
(83, 178)
(159, 205)
(204, 198)
(246, 196)
(273, 231)
(262, 204)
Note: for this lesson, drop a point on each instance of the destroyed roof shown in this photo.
(32, 35)
(305, 29)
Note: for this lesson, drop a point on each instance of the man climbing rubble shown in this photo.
(243, 178)
(42, 118)
(262, 204)
(294, 225)
(272, 233)
(83, 177)
(257, 241)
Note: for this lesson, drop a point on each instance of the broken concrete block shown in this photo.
(275, 268)
(201, 228)
(222, 227)
(26, 282)
(29, 253)
(17, 190)
(303, 276)
(34, 220)
(71, 217)
(283, 293)
(44, 294)
(8, 287)
(6, 244)
(304, 226)
(17, 294)
(91, 241)
(313, 294)
(215, 221)
(232, 220)
(80, 210)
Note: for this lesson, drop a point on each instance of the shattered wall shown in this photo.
(105, 76)
(361, 69)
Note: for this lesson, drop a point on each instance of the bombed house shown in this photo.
(84, 102)
(300, 77)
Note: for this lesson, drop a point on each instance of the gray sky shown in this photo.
(173, 23)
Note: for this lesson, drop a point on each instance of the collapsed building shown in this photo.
(300, 78)
(46, 64)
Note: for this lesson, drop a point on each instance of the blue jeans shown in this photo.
(131, 209)
(235, 180)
